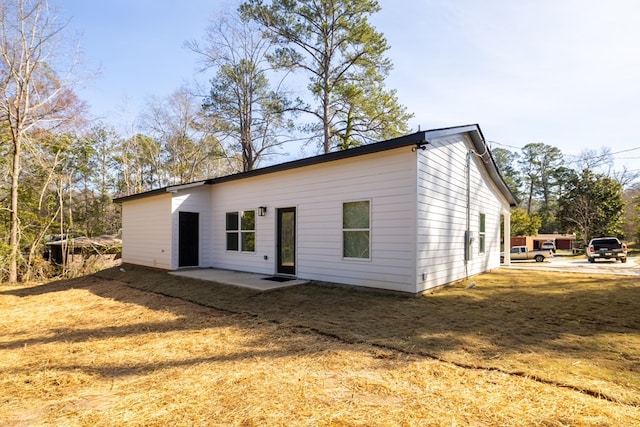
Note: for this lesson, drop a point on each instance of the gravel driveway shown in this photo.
(581, 265)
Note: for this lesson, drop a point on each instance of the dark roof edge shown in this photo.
(418, 139)
(402, 141)
(490, 165)
(142, 195)
(167, 189)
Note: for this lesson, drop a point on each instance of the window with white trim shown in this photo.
(241, 231)
(481, 233)
(356, 230)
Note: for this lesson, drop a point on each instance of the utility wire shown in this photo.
(580, 158)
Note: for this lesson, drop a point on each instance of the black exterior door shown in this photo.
(286, 241)
(188, 239)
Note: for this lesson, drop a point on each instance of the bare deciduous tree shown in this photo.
(249, 112)
(188, 147)
(35, 79)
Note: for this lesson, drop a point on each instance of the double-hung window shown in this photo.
(481, 233)
(241, 231)
(356, 230)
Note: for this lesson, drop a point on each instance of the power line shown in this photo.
(504, 145)
(580, 158)
(606, 154)
(625, 151)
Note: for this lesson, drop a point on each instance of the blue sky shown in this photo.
(562, 72)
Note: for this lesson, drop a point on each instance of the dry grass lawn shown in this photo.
(145, 348)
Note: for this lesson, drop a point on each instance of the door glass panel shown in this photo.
(287, 239)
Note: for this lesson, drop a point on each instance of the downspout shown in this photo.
(469, 192)
(420, 276)
(467, 233)
(506, 246)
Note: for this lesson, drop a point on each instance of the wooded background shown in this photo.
(61, 168)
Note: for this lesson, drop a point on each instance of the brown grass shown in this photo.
(519, 348)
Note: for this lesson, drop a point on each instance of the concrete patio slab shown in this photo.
(238, 278)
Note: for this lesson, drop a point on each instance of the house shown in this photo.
(407, 214)
(561, 241)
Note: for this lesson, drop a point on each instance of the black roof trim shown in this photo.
(491, 167)
(418, 139)
(142, 195)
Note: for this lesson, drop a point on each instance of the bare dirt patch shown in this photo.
(513, 350)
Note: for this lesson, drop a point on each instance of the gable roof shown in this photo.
(418, 139)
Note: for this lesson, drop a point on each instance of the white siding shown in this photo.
(418, 202)
(146, 231)
(387, 179)
(442, 214)
(196, 199)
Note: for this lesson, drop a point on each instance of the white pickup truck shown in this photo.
(518, 253)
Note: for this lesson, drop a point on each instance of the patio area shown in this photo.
(260, 282)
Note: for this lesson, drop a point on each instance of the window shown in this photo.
(481, 234)
(241, 231)
(356, 230)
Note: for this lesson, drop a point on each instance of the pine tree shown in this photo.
(344, 56)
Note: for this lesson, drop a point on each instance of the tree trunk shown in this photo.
(14, 238)
(326, 100)
(530, 199)
(327, 134)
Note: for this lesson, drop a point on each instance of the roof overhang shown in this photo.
(142, 195)
(176, 188)
(415, 139)
(418, 140)
(483, 151)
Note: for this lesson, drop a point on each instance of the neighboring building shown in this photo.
(407, 214)
(561, 241)
(65, 250)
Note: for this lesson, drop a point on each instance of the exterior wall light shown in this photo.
(262, 211)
